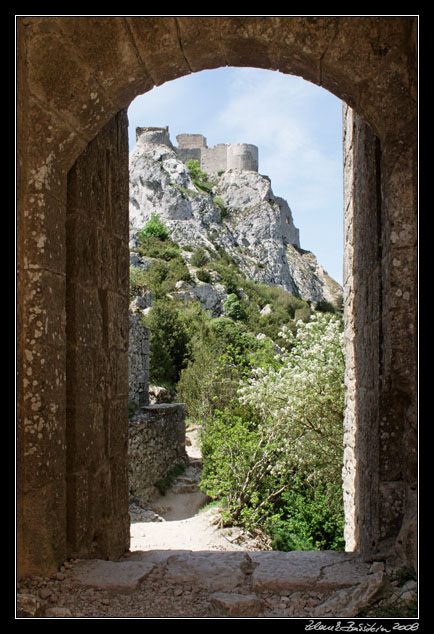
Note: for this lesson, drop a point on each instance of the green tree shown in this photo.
(168, 342)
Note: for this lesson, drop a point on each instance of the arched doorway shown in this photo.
(74, 76)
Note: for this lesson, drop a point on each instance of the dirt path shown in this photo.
(176, 568)
(175, 520)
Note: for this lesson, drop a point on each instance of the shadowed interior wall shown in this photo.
(97, 328)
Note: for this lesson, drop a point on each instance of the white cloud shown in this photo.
(274, 112)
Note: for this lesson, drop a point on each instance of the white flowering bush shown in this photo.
(278, 463)
(305, 397)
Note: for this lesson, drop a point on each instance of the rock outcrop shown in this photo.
(238, 213)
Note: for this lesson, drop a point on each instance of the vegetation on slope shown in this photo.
(266, 389)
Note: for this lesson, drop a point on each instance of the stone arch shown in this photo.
(75, 76)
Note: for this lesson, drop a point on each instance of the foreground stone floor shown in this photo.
(209, 584)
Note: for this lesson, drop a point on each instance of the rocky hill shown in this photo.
(230, 210)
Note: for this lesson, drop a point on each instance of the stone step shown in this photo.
(335, 583)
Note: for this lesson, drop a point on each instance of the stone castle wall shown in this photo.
(221, 157)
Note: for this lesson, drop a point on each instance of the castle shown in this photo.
(221, 157)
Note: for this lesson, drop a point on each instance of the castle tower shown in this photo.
(191, 141)
(242, 156)
(154, 135)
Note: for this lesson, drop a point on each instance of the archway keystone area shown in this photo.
(75, 78)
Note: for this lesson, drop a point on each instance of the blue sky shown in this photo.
(296, 125)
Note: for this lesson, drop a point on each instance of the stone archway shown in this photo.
(74, 76)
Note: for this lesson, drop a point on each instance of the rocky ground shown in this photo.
(183, 565)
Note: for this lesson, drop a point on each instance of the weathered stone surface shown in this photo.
(236, 605)
(73, 75)
(58, 613)
(29, 606)
(348, 602)
(156, 443)
(214, 571)
(281, 572)
(110, 575)
(138, 358)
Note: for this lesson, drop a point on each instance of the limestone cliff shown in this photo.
(238, 212)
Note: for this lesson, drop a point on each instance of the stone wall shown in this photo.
(380, 472)
(97, 265)
(220, 157)
(138, 360)
(362, 302)
(74, 74)
(156, 444)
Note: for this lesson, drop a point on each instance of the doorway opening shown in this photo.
(224, 285)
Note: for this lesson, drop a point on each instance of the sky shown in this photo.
(296, 126)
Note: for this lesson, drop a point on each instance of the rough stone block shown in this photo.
(109, 575)
(236, 605)
(215, 571)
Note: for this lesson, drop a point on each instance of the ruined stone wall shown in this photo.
(191, 141)
(220, 157)
(154, 135)
(97, 346)
(242, 156)
(156, 444)
(214, 159)
(138, 360)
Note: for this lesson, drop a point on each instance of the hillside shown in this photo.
(231, 213)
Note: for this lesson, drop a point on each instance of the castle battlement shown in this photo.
(221, 157)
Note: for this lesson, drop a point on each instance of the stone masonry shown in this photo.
(138, 360)
(97, 346)
(156, 445)
(221, 157)
(75, 78)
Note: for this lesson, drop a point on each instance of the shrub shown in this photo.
(199, 178)
(132, 407)
(233, 307)
(310, 517)
(220, 203)
(229, 277)
(156, 275)
(302, 314)
(278, 461)
(178, 270)
(154, 247)
(325, 307)
(203, 275)
(199, 257)
(154, 228)
(307, 395)
(138, 281)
